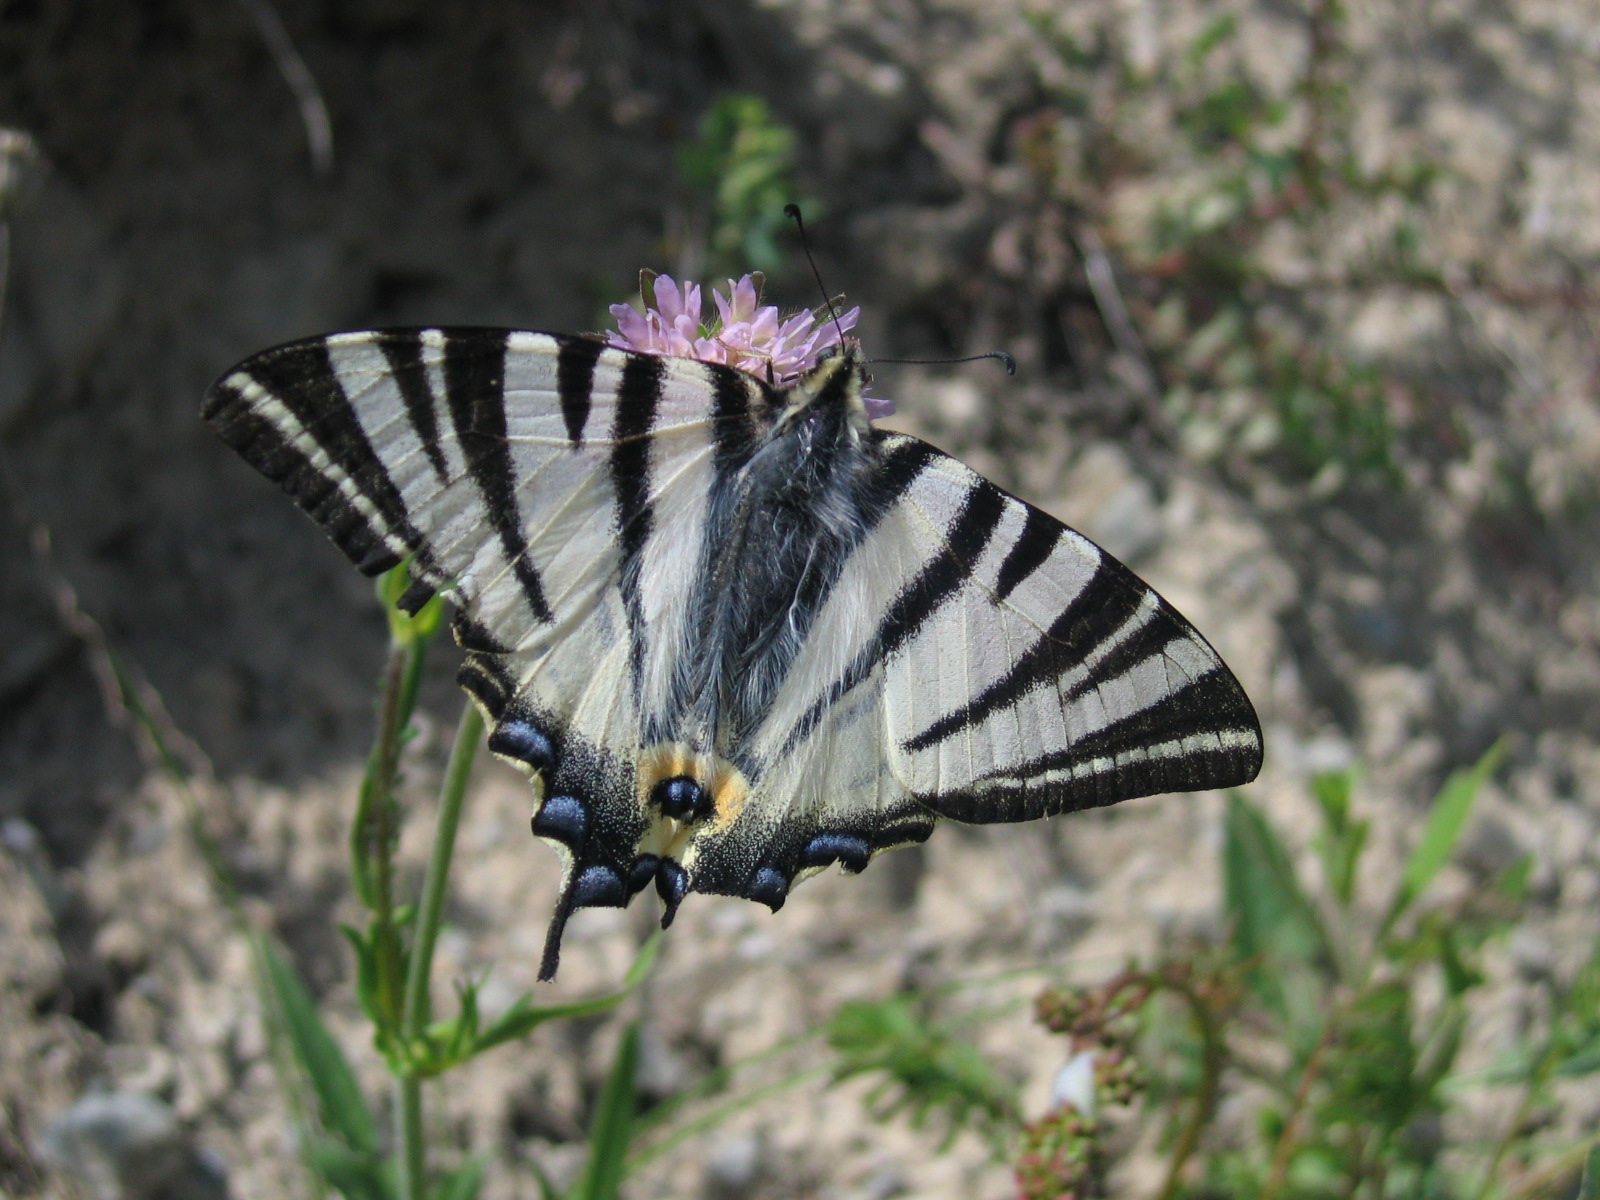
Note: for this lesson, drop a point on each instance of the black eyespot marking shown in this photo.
(770, 887)
(850, 851)
(681, 798)
(563, 819)
(672, 885)
(599, 887)
(521, 739)
(644, 870)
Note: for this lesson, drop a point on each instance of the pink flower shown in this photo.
(744, 334)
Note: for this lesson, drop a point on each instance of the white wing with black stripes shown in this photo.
(733, 633)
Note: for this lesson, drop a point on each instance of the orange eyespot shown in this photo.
(724, 785)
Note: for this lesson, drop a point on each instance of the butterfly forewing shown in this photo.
(929, 646)
(1077, 685)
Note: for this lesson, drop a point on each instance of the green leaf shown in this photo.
(340, 1105)
(358, 1175)
(1583, 1061)
(464, 1182)
(741, 164)
(1589, 1189)
(547, 1189)
(1459, 977)
(1512, 883)
(925, 1069)
(1270, 914)
(1373, 1079)
(612, 1127)
(366, 955)
(1286, 953)
(1341, 840)
(522, 1017)
(1447, 819)
(1219, 30)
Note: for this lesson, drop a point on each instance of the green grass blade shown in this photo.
(522, 1018)
(547, 1188)
(1447, 820)
(1589, 1189)
(341, 1108)
(612, 1128)
(356, 1175)
(465, 1182)
(1270, 912)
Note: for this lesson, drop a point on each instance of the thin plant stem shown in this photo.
(416, 1010)
(313, 109)
(1502, 1146)
(377, 831)
(1548, 1176)
(711, 1117)
(413, 1156)
(469, 732)
(1212, 1058)
(1284, 1150)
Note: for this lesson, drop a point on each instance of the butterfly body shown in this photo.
(733, 633)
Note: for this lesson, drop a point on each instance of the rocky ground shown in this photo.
(506, 163)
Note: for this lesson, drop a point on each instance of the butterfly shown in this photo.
(733, 632)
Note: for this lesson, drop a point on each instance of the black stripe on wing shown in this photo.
(903, 459)
(638, 395)
(940, 578)
(474, 382)
(1115, 763)
(300, 378)
(402, 350)
(575, 384)
(733, 430)
(262, 444)
(1101, 608)
(1033, 547)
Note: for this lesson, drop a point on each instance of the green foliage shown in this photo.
(1312, 1055)
(611, 1129)
(1367, 1060)
(741, 168)
(447, 1044)
(1342, 838)
(1447, 819)
(925, 1068)
(1221, 197)
(343, 1146)
(393, 956)
(1589, 1188)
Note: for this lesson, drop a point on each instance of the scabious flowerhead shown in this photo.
(744, 333)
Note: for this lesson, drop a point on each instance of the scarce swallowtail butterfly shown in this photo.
(732, 632)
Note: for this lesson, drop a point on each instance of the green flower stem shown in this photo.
(1537, 1080)
(413, 1159)
(375, 831)
(1283, 1152)
(1213, 1056)
(416, 1013)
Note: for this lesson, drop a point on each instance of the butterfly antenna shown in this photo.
(1003, 356)
(793, 211)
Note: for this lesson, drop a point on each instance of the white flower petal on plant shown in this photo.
(1074, 1084)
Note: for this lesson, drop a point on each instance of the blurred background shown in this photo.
(1301, 297)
